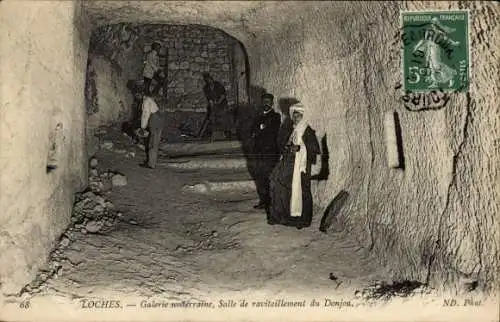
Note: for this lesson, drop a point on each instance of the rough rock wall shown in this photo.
(121, 45)
(466, 240)
(42, 118)
(108, 97)
(436, 220)
(316, 59)
(112, 100)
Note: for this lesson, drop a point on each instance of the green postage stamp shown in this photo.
(435, 54)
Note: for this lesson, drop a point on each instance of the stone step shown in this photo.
(212, 163)
(200, 148)
(208, 187)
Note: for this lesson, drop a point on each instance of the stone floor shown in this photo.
(163, 241)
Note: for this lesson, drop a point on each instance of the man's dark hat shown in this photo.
(206, 75)
(268, 95)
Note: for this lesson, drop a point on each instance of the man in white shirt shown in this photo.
(152, 68)
(153, 119)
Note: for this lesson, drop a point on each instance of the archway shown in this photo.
(116, 60)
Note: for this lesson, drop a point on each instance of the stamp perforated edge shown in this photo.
(434, 11)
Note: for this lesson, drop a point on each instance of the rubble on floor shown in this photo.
(92, 213)
(113, 140)
(118, 180)
(106, 145)
(382, 291)
(101, 182)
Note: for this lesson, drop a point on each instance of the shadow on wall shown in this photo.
(286, 129)
(331, 213)
(285, 103)
(255, 93)
(324, 171)
(135, 89)
(399, 141)
(91, 102)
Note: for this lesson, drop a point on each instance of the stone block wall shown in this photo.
(187, 52)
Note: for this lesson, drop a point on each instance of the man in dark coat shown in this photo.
(265, 152)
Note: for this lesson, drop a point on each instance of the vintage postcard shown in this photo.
(249, 160)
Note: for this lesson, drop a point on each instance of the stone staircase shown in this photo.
(194, 149)
(224, 163)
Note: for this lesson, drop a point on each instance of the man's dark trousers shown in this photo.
(265, 153)
(147, 84)
(264, 165)
(156, 124)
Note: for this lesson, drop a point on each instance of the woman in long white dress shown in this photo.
(290, 182)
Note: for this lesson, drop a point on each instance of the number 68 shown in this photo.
(24, 305)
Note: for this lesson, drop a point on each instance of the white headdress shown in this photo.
(297, 107)
(301, 126)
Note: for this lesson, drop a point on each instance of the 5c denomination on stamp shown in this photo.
(435, 54)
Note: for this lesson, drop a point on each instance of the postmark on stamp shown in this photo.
(435, 53)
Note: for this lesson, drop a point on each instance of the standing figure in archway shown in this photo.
(152, 119)
(152, 69)
(290, 182)
(218, 115)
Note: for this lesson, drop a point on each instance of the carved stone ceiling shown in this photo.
(241, 19)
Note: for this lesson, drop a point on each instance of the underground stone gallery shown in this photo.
(175, 152)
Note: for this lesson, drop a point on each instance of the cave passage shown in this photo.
(188, 224)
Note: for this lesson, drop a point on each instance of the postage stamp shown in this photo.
(435, 52)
